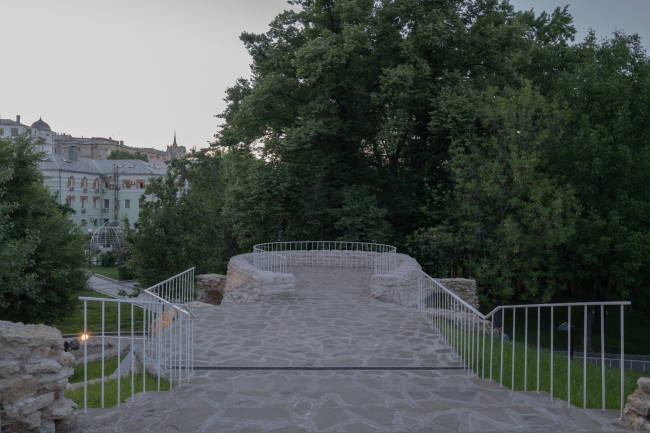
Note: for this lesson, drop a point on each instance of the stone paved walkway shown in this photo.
(109, 286)
(332, 322)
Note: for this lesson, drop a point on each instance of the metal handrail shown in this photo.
(166, 338)
(461, 329)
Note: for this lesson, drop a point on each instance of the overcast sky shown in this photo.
(136, 70)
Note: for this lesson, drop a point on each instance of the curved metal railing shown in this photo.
(278, 256)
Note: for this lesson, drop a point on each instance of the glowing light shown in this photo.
(84, 337)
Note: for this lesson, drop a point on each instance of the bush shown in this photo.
(107, 258)
(126, 272)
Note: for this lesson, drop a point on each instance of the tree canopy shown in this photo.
(41, 250)
(478, 138)
(123, 154)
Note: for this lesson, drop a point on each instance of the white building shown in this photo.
(98, 190)
(41, 131)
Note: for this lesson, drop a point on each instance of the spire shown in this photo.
(174, 139)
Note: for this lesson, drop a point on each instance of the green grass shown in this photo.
(637, 322)
(525, 373)
(94, 370)
(110, 390)
(107, 271)
(75, 323)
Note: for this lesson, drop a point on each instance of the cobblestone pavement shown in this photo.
(332, 322)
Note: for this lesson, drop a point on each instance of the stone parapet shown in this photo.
(330, 258)
(400, 286)
(245, 283)
(34, 372)
(463, 288)
(210, 288)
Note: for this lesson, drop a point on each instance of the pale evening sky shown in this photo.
(138, 70)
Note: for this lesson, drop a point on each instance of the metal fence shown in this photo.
(164, 342)
(485, 344)
(278, 256)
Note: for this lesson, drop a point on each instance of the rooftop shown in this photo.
(93, 166)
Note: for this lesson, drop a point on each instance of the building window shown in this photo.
(106, 203)
(83, 222)
(70, 201)
(2, 131)
(127, 204)
(97, 222)
(64, 151)
(84, 151)
(71, 181)
(83, 202)
(84, 182)
(126, 184)
(140, 184)
(96, 202)
(107, 183)
(14, 132)
(96, 184)
(101, 152)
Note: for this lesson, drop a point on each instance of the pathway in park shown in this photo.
(393, 375)
(108, 286)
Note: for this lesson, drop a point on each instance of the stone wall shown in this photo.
(400, 286)
(245, 283)
(210, 288)
(330, 258)
(34, 372)
(465, 289)
(637, 409)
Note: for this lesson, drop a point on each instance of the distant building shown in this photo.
(97, 148)
(98, 190)
(40, 131)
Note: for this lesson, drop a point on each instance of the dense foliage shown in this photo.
(478, 138)
(123, 154)
(182, 227)
(41, 250)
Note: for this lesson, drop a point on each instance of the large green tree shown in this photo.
(605, 157)
(41, 250)
(507, 216)
(182, 226)
(364, 97)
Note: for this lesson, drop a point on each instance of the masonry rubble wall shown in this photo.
(637, 409)
(330, 258)
(34, 372)
(400, 286)
(210, 288)
(245, 283)
(464, 288)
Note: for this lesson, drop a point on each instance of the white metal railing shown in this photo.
(277, 256)
(165, 339)
(465, 331)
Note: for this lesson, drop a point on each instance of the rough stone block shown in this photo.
(637, 409)
(39, 366)
(33, 404)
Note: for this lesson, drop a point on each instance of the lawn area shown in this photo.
(107, 271)
(637, 322)
(94, 370)
(75, 323)
(523, 372)
(110, 390)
